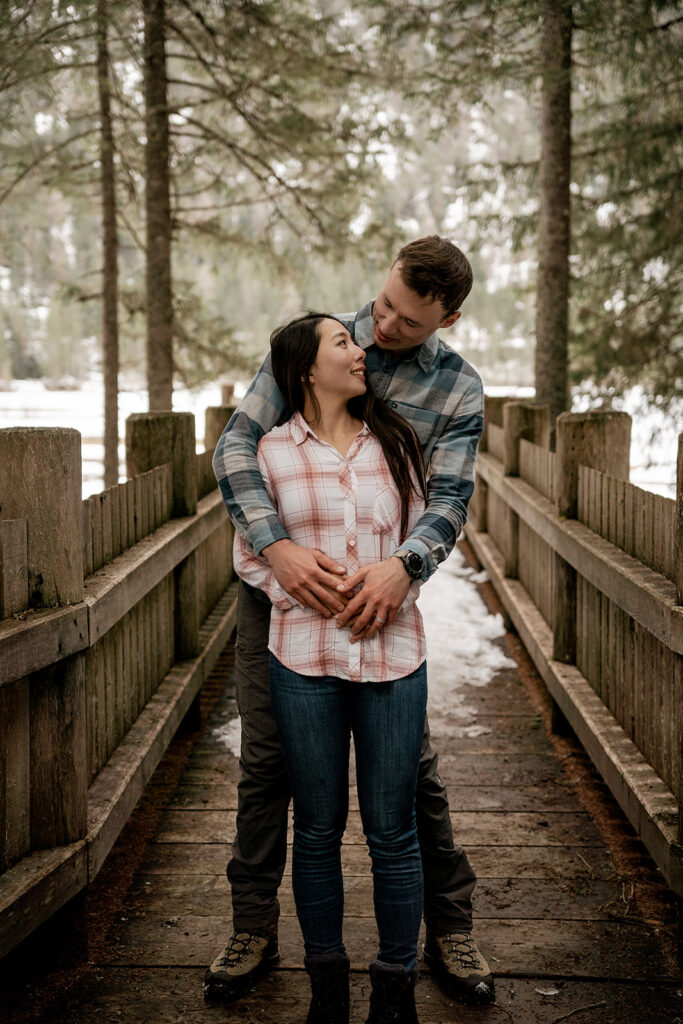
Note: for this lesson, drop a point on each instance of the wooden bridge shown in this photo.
(117, 615)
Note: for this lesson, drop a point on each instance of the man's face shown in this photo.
(402, 319)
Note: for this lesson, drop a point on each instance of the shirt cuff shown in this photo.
(264, 533)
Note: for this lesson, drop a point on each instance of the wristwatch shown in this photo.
(412, 563)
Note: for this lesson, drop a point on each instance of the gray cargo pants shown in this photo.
(259, 850)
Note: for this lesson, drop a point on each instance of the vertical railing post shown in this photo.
(479, 506)
(155, 438)
(152, 439)
(528, 422)
(215, 422)
(493, 413)
(40, 481)
(679, 600)
(598, 440)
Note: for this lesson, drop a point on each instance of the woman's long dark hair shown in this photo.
(293, 349)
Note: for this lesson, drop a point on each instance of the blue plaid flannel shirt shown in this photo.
(439, 394)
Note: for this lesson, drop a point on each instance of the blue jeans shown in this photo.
(315, 718)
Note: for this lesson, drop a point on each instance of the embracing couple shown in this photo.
(347, 470)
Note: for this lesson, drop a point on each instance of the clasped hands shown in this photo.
(363, 602)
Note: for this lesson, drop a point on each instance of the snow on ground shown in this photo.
(461, 650)
(228, 733)
(30, 404)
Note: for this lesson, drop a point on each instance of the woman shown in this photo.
(345, 475)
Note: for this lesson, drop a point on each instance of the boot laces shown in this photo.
(463, 948)
(238, 948)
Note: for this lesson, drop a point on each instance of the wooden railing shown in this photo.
(589, 570)
(113, 611)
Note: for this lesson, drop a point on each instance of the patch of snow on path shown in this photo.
(229, 734)
(460, 640)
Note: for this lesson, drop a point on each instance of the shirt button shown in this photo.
(352, 543)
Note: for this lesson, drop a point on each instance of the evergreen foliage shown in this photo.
(625, 257)
(305, 144)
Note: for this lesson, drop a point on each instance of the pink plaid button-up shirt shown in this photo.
(347, 506)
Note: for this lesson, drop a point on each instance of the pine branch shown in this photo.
(43, 156)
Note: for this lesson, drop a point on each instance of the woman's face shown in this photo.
(339, 367)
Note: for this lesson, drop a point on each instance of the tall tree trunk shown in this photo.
(110, 285)
(552, 298)
(158, 211)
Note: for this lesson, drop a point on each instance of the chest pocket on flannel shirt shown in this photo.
(425, 423)
(386, 516)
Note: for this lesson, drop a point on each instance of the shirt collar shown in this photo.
(424, 353)
(300, 430)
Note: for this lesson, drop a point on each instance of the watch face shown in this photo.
(414, 564)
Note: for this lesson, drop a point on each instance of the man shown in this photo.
(441, 397)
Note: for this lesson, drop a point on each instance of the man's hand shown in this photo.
(308, 575)
(385, 586)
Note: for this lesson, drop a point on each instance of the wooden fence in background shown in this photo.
(589, 569)
(113, 611)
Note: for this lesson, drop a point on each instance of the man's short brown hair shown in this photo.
(434, 267)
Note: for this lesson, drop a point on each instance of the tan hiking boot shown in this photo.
(245, 959)
(460, 967)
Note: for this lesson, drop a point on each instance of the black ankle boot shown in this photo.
(393, 994)
(329, 974)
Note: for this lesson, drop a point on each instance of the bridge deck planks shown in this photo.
(555, 918)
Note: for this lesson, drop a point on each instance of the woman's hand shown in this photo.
(385, 586)
(308, 575)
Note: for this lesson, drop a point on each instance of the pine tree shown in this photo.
(623, 260)
(110, 250)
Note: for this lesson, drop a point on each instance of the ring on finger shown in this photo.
(380, 621)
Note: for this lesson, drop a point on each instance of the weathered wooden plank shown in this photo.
(41, 638)
(522, 899)
(110, 684)
(157, 438)
(96, 532)
(476, 828)
(58, 765)
(130, 995)
(186, 612)
(54, 513)
(644, 798)
(129, 656)
(137, 482)
(494, 734)
(593, 948)
(107, 529)
(36, 888)
(126, 580)
(490, 769)
(643, 594)
(90, 714)
(87, 541)
(496, 441)
(13, 567)
(582, 863)
(118, 635)
(115, 498)
(214, 796)
(15, 772)
(118, 786)
(124, 517)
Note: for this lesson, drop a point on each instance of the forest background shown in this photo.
(177, 177)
